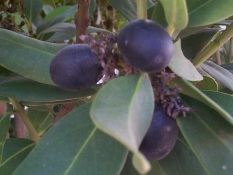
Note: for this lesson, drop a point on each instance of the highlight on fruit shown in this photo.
(75, 67)
(145, 45)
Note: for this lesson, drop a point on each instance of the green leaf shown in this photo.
(32, 9)
(158, 15)
(4, 127)
(70, 29)
(74, 146)
(222, 99)
(192, 91)
(207, 12)
(26, 90)
(180, 161)
(41, 120)
(57, 17)
(181, 66)
(176, 13)
(49, 2)
(208, 83)
(15, 151)
(123, 108)
(26, 56)
(209, 137)
(126, 8)
(219, 73)
(193, 44)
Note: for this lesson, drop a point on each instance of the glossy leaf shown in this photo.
(158, 15)
(32, 9)
(176, 13)
(180, 161)
(74, 146)
(15, 151)
(208, 83)
(207, 12)
(123, 108)
(219, 73)
(209, 136)
(222, 99)
(27, 56)
(26, 90)
(41, 120)
(192, 91)
(181, 66)
(193, 44)
(4, 128)
(57, 18)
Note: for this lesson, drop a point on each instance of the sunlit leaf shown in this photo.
(181, 66)
(207, 12)
(176, 13)
(123, 108)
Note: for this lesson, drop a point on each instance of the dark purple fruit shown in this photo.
(75, 67)
(145, 45)
(160, 137)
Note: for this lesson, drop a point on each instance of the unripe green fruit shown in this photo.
(75, 67)
(160, 137)
(145, 45)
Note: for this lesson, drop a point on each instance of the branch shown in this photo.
(82, 19)
(213, 46)
(22, 113)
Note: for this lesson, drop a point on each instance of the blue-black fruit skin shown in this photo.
(160, 137)
(145, 45)
(75, 67)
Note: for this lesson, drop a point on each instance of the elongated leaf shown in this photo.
(32, 9)
(228, 67)
(208, 83)
(158, 15)
(74, 146)
(26, 56)
(209, 136)
(4, 128)
(55, 12)
(193, 44)
(182, 67)
(180, 161)
(26, 90)
(126, 7)
(15, 151)
(57, 19)
(41, 120)
(206, 12)
(176, 13)
(222, 99)
(123, 108)
(192, 91)
(50, 2)
(219, 73)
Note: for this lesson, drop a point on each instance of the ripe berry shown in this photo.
(75, 67)
(145, 45)
(160, 137)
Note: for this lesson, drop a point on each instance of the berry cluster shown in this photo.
(145, 46)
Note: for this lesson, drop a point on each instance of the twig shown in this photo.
(22, 113)
(82, 19)
(213, 46)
